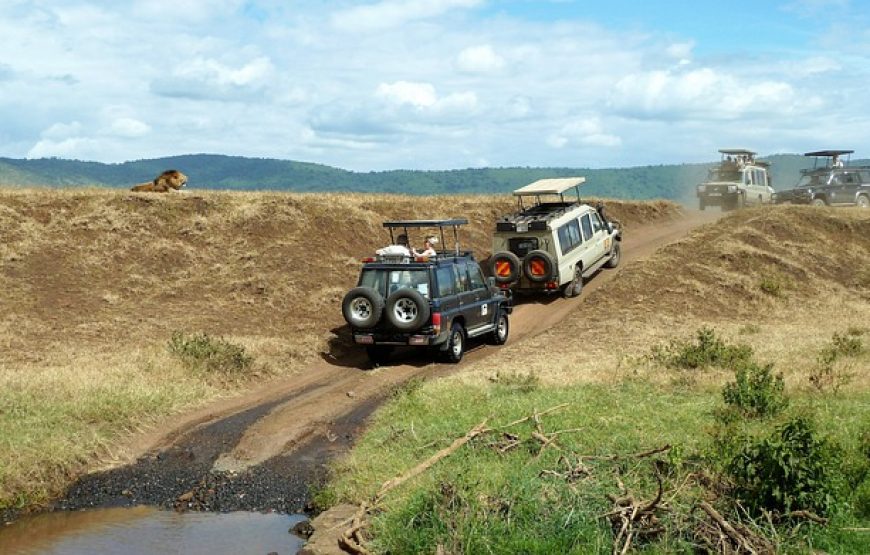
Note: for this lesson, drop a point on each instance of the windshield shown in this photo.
(386, 281)
(718, 174)
(812, 180)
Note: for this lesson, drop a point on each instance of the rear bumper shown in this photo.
(416, 339)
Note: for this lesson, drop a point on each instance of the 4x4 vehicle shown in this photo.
(833, 183)
(437, 302)
(739, 179)
(552, 244)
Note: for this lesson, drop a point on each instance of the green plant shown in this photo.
(708, 350)
(202, 352)
(749, 329)
(771, 284)
(792, 469)
(756, 391)
(828, 374)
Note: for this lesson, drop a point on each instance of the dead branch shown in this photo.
(399, 480)
(616, 457)
(725, 526)
(633, 517)
(808, 515)
(536, 415)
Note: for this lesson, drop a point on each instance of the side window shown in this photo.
(747, 177)
(596, 223)
(476, 277)
(446, 281)
(461, 277)
(587, 227)
(849, 178)
(865, 177)
(569, 236)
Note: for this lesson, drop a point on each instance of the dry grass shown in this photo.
(715, 278)
(93, 283)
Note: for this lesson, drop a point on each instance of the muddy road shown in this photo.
(263, 450)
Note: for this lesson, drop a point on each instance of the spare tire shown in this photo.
(407, 309)
(362, 307)
(504, 266)
(538, 266)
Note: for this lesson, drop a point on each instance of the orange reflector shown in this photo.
(503, 268)
(537, 267)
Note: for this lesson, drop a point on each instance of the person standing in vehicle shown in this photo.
(428, 247)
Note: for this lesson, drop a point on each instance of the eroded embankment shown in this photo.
(94, 283)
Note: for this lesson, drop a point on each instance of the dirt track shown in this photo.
(262, 450)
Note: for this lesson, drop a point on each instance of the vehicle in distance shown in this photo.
(552, 243)
(830, 182)
(736, 181)
(435, 302)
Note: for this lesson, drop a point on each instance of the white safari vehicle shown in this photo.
(738, 180)
(552, 243)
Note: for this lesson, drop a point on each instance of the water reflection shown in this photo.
(145, 530)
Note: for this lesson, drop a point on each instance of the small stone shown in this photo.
(351, 394)
(185, 497)
(127, 493)
(302, 529)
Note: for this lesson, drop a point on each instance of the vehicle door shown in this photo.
(571, 248)
(467, 296)
(595, 240)
(445, 287)
(601, 233)
(484, 305)
(845, 187)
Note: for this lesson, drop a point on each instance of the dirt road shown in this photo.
(260, 451)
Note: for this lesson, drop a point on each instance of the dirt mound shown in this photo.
(96, 268)
(741, 264)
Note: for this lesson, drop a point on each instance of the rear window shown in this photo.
(386, 282)
(521, 246)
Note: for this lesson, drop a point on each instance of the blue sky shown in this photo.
(433, 84)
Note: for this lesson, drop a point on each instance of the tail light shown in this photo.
(436, 322)
(369, 259)
(552, 285)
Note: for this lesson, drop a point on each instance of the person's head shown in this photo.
(431, 241)
(402, 239)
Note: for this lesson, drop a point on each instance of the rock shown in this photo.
(302, 529)
(127, 493)
(185, 497)
(351, 394)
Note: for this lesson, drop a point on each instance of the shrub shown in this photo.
(772, 285)
(709, 350)
(827, 374)
(213, 355)
(792, 469)
(756, 391)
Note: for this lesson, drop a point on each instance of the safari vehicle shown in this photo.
(832, 183)
(552, 243)
(738, 180)
(436, 302)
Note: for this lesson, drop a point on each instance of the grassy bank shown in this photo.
(507, 492)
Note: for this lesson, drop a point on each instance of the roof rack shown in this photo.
(404, 225)
(535, 217)
(834, 155)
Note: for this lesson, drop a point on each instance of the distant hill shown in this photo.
(211, 171)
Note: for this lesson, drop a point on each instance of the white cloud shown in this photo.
(418, 95)
(586, 132)
(210, 78)
(479, 59)
(129, 127)
(394, 13)
(703, 94)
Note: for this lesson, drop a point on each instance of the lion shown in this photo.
(170, 180)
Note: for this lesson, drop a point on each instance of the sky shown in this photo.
(433, 84)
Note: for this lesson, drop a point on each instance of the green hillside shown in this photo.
(210, 171)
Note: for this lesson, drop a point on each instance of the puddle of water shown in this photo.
(146, 530)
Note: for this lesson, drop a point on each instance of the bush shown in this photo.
(756, 391)
(827, 374)
(709, 350)
(201, 352)
(772, 285)
(792, 469)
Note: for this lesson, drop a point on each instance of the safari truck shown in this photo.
(435, 302)
(830, 182)
(737, 181)
(553, 242)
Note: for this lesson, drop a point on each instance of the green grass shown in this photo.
(479, 500)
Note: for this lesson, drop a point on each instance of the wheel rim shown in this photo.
(405, 310)
(616, 253)
(863, 202)
(361, 309)
(456, 346)
(502, 328)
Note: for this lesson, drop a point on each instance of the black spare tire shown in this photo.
(538, 266)
(504, 266)
(407, 309)
(362, 307)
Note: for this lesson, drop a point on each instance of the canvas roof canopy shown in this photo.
(554, 186)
